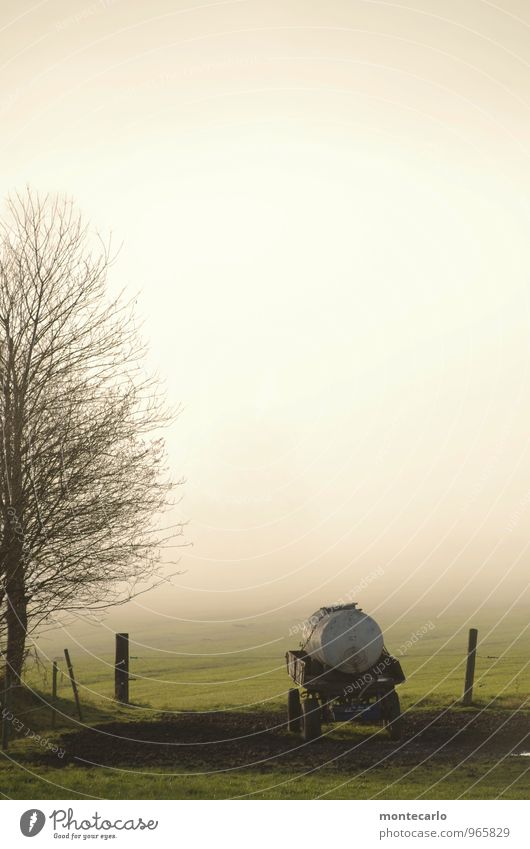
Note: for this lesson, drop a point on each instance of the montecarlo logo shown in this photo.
(31, 822)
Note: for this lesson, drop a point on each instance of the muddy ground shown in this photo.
(217, 741)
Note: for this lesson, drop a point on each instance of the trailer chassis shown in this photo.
(326, 695)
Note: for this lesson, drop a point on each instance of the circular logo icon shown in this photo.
(31, 822)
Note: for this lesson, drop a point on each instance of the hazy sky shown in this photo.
(324, 208)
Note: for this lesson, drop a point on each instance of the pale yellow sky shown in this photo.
(324, 205)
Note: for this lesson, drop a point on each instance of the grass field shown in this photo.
(232, 679)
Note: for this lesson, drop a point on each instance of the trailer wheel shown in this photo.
(311, 719)
(393, 720)
(294, 711)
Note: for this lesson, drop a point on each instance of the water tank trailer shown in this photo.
(343, 672)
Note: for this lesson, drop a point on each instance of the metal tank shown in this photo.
(344, 638)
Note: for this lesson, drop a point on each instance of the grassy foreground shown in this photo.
(507, 780)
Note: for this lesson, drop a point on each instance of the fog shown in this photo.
(323, 211)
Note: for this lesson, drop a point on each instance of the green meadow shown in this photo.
(182, 671)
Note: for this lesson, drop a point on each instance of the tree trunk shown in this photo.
(16, 620)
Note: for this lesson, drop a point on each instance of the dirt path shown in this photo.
(223, 740)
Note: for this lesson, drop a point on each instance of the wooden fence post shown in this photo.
(121, 669)
(470, 667)
(54, 692)
(74, 685)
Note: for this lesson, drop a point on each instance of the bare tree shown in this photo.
(82, 474)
